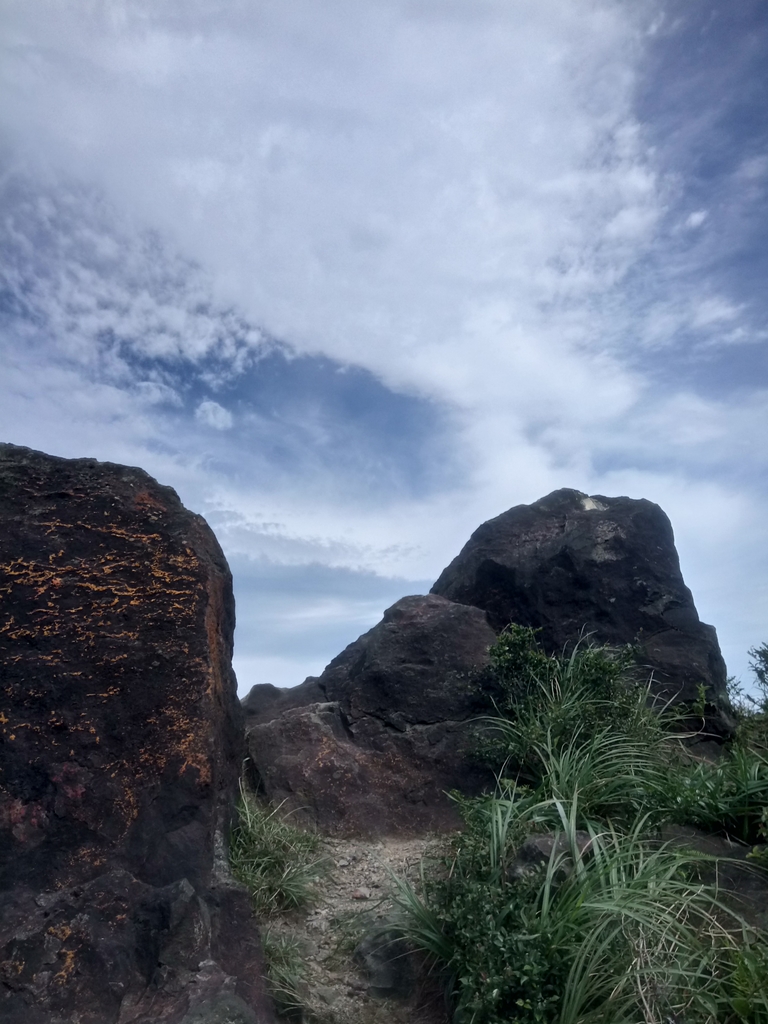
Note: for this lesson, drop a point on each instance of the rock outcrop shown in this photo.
(372, 745)
(120, 749)
(571, 562)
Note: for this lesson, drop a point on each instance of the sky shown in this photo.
(356, 276)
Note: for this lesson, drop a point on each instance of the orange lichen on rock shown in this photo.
(121, 725)
(123, 742)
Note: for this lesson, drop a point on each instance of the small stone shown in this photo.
(361, 894)
(327, 994)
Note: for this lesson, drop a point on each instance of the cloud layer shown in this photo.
(356, 276)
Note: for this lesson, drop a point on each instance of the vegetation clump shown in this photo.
(614, 926)
(285, 974)
(278, 863)
(275, 860)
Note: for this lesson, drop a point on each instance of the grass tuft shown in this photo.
(275, 860)
(285, 974)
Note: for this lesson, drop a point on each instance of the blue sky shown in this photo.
(356, 276)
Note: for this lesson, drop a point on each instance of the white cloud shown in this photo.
(362, 180)
(716, 310)
(214, 415)
(694, 312)
(83, 273)
(459, 197)
(696, 219)
(754, 168)
(155, 393)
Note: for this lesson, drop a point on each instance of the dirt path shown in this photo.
(352, 900)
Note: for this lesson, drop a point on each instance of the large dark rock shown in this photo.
(120, 749)
(741, 881)
(372, 745)
(571, 562)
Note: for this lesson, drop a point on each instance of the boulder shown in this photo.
(549, 848)
(606, 566)
(372, 744)
(120, 750)
(387, 961)
(742, 882)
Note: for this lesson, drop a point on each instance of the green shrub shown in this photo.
(274, 859)
(620, 934)
(745, 986)
(625, 934)
(582, 723)
(752, 712)
(758, 662)
(546, 703)
(730, 796)
(615, 778)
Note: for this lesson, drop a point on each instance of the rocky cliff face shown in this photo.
(121, 745)
(374, 742)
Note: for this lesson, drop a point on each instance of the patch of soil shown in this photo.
(353, 899)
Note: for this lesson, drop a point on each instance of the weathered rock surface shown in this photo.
(372, 744)
(387, 961)
(743, 884)
(545, 848)
(120, 746)
(571, 562)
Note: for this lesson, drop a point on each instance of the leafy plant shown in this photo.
(759, 853)
(742, 704)
(729, 796)
(759, 664)
(274, 859)
(745, 985)
(614, 777)
(580, 723)
(752, 712)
